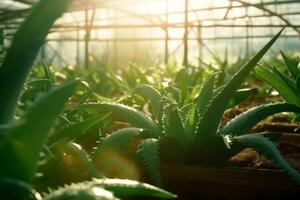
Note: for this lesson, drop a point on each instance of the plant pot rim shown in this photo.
(275, 178)
(256, 177)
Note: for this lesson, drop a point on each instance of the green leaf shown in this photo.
(123, 188)
(127, 114)
(149, 153)
(22, 52)
(174, 127)
(175, 92)
(153, 96)
(22, 143)
(167, 105)
(75, 130)
(80, 191)
(267, 148)
(298, 83)
(119, 141)
(120, 83)
(245, 121)
(206, 95)
(290, 82)
(183, 81)
(187, 116)
(107, 189)
(292, 65)
(209, 123)
(240, 96)
(278, 84)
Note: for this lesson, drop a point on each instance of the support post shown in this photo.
(86, 48)
(185, 37)
(167, 33)
(200, 42)
(77, 46)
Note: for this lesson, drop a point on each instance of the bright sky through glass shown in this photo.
(144, 12)
(138, 25)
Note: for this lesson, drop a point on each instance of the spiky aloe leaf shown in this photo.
(209, 123)
(64, 163)
(174, 126)
(267, 148)
(245, 121)
(21, 54)
(107, 189)
(153, 96)
(167, 103)
(128, 114)
(22, 143)
(80, 191)
(171, 121)
(119, 141)
(129, 188)
(201, 103)
(149, 153)
(288, 81)
(292, 65)
(187, 115)
(75, 130)
(277, 83)
(114, 154)
(205, 96)
(183, 81)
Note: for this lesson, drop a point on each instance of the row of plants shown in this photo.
(85, 132)
(24, 139)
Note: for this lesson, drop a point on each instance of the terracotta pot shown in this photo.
(230, 183)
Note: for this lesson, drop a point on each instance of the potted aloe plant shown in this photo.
(187, 146)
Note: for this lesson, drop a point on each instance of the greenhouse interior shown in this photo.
(149, 99)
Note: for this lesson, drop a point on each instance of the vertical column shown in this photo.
(78, 44)
(247, 39)
(247, 34)
(115, 39)
(200, 42)
(107, 41)
(167, 33)
(185, 37)
(86, 54)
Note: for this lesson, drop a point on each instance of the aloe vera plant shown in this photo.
(194, 128)
(22, 52)
(22, 140)
(20, 154)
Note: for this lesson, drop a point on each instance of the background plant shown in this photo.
(22, 140)
(286, 83)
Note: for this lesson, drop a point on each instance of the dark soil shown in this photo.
(251, 158)
(278, 123)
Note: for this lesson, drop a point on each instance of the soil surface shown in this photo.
(277, 123)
